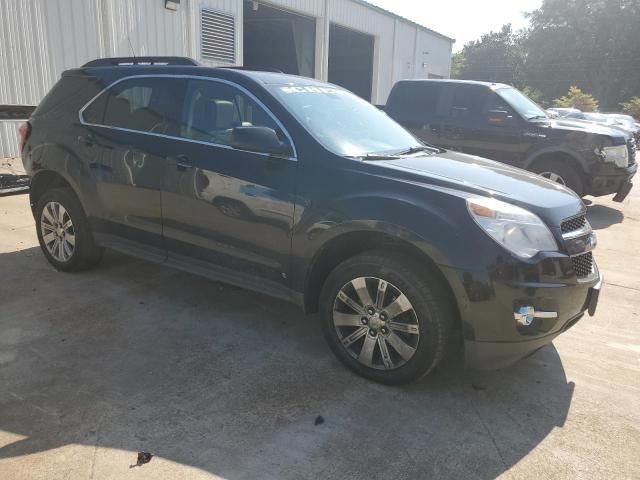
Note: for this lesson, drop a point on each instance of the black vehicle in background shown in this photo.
(497, 121)
(301, 190)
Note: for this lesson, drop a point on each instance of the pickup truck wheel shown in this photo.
(384, 318)
(64, 233)
(562, 173)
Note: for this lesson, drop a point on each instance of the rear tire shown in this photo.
(396, 337)
(561, 172)
(64, 233)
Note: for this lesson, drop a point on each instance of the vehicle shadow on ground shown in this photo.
(602, 216)
(137, 357)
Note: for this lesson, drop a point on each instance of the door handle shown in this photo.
(183, 163)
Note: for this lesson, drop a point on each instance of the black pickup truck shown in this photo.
(497, 121)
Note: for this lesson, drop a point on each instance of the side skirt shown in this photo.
(207, 270)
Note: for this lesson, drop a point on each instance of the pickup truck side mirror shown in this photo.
(500, 118)
(261, 140)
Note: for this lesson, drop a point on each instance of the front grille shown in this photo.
(633, 147)
(573, 224)
(583, 264)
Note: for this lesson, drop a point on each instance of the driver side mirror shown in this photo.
(260, 140)
(500, 118)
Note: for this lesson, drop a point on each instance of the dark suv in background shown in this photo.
(301, 190)
(498, 122)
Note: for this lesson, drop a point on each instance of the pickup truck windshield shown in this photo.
(526, 107)
(342, 122)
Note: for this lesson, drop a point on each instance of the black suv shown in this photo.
(303, 191)
(497, 121)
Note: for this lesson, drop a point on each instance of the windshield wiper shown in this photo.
(537, 117)
(421, 148)
(374, 156)
(396, 155)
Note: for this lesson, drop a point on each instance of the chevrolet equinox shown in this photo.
(301, 190)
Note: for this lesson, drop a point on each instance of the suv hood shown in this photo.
(466, 173)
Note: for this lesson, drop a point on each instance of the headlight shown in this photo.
(618, 155)
(518, 230)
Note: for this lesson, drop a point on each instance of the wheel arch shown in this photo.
(45, 180)
(566, 155)
(347, 245)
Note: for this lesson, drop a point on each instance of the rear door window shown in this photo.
(414, 102)
(467, 104)
(146, 104)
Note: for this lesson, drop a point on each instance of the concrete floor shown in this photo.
(219, 382)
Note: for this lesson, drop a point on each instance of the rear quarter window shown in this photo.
(68, 96)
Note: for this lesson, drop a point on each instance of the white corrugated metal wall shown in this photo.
(39, 39)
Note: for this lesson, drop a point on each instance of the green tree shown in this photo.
(496, 57)
(632, 107)
(576, 98)
(535, 95)
(589, 43)
(458, 62)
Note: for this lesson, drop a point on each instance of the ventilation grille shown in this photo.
(573, 224)
(583, 264)
(218, 36)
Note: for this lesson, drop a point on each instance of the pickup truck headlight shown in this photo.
(618, 155)
(518, 230)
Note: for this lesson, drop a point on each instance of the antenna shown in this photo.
(133, 53)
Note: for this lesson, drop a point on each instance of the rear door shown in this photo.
(416, 106)
(463, 117)
(226, 209)
(128, 130)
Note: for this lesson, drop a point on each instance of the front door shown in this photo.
(227, 209)
(500, 140)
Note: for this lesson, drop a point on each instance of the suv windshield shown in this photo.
(344, 123)
(526, 107)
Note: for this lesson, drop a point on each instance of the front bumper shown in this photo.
(608, 180)
(488, 355)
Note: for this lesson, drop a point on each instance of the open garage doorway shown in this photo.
(276, 39)
(351, 60)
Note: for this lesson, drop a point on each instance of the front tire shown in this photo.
(384, 318)
(561, 172)
(63, 232)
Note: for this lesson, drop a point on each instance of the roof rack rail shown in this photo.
(234, 67)
(127, 61)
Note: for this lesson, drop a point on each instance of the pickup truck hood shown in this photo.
(476, 175)
(587, 127)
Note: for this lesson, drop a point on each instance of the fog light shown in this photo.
(525, 314)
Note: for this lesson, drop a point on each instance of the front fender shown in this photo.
(434, 222)
(534, 155)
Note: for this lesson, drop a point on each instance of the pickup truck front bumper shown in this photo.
(617, 181)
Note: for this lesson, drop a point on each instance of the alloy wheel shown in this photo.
(376, 323)
(554, 177)
(58, 234)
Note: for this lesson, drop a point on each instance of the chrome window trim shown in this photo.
(293, 158)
